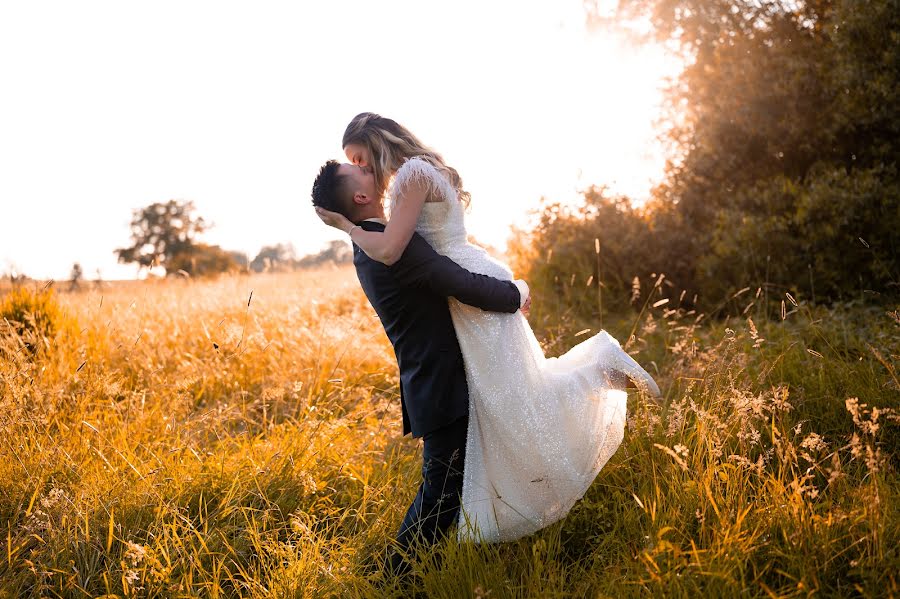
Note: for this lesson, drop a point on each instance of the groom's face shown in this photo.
(361, 181)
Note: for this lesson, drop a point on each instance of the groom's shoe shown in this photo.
(396, 564)
(387, 573)
(371, 567)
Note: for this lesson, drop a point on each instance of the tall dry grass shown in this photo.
(180, 438)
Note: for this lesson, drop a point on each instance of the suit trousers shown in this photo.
(436, 506)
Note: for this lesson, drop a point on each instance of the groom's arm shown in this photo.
(421, 266)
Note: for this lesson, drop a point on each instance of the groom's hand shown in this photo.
(527, 307)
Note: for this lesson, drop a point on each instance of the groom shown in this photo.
(410, 298)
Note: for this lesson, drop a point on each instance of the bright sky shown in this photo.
(111, 106)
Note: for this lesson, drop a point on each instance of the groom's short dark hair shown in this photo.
(331, 190)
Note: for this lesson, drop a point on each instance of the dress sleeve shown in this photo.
(420, 171)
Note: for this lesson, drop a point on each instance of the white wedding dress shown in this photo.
(540, 429)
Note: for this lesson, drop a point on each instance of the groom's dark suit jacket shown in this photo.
(410, 298)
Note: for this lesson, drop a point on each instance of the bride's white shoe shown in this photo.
(629, 371)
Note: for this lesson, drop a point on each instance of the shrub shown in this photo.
(571, 251)
(201, 260)
(828, 237)
(34, 316)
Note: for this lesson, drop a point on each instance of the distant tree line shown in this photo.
(281, 257)
(785, 129)
(166, 235)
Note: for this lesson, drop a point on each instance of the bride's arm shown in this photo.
(387, 246)
(415, 181)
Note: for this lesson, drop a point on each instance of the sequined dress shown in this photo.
(540, 429)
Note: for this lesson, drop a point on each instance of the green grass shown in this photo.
(182, 439)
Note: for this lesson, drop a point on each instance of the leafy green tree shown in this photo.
(160, 232)
(785, 126)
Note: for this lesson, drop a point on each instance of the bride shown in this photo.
(540, 429)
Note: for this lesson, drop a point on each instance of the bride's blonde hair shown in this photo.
(390, 145)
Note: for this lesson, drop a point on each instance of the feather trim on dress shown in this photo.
(420, 171)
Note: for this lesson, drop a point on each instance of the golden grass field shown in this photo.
(181, 438)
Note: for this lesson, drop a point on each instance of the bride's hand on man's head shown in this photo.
(333, 219)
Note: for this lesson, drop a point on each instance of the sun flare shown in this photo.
(522, 98)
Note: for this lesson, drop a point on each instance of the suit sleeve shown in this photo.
(420, 266)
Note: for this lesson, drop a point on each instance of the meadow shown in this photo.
(240, 437)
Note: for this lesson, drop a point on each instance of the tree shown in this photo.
(336, 252)
(241, 259)
(784, 129)
(280, 256)
(160, 232)
(785, 125)
(75, 277)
